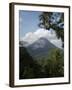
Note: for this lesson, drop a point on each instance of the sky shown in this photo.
(30, 32)
(29, 21)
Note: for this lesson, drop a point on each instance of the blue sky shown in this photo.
(28, 21)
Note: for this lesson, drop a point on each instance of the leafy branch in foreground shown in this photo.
(55, 21)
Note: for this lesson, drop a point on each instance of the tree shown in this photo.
(55, 64)
(28, 67)
(55, 21)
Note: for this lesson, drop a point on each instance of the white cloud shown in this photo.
(57, 42)
(31, 37)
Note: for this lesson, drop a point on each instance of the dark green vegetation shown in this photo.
(29, 68)
(55, 21)
(51, 66)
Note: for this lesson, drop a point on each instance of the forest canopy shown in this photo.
(51, 66)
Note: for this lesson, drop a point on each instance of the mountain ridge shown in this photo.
(40, 48)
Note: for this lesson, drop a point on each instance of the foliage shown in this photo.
(29, 68)
(51, 66)
(54, 21)
(55, 64)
